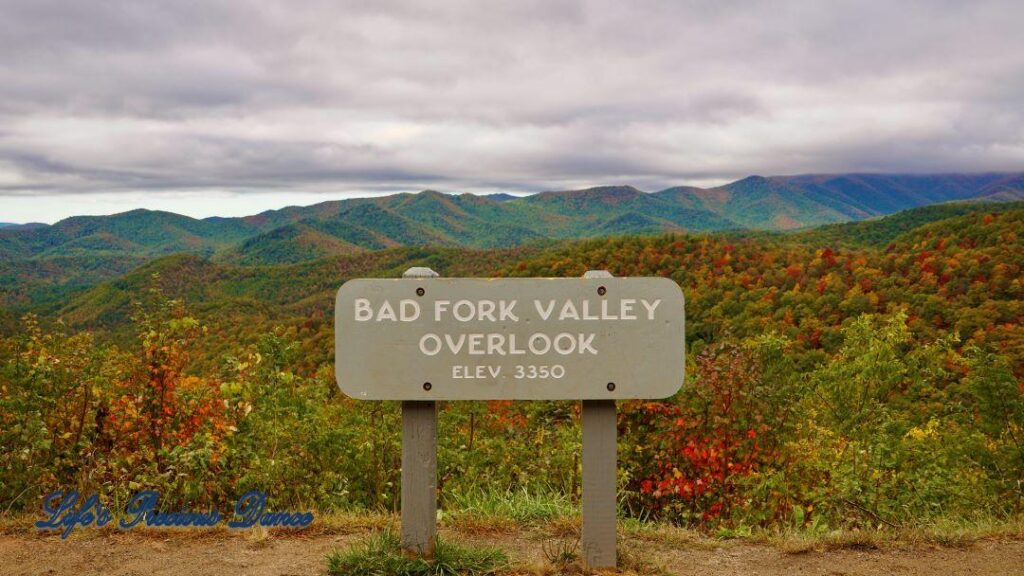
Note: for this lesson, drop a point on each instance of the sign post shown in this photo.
(422, 338)
(600, 462)
(419, 466)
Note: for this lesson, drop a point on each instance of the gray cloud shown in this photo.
(522, 96)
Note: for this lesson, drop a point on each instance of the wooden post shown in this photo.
(600, 463)
(419, 466)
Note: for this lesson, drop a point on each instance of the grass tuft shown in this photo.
(382, 555)
(521, 506)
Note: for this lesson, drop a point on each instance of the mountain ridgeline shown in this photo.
(40, 265)
(296, 234)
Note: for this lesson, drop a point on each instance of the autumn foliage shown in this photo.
(830, 384)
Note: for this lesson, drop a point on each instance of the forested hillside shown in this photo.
(880, 232)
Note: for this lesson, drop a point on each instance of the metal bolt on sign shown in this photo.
(595, 339)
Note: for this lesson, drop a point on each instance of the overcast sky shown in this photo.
(234, 107)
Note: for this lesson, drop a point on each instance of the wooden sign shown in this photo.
(509, 339)
(595, 339)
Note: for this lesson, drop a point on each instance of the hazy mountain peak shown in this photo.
(596, 194)
(501, 197)
(622, 191)
(26, 226)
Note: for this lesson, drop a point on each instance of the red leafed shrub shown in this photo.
(692, 453)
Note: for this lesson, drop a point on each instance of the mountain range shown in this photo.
(431, 218)
(38, 263)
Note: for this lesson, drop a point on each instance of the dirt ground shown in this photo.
(225, 554)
